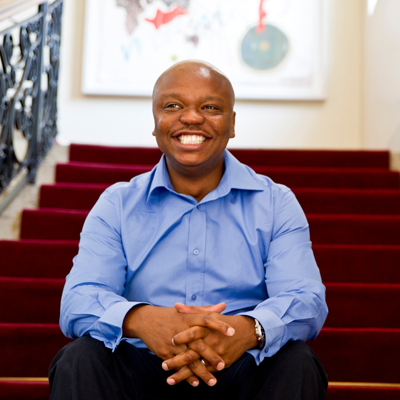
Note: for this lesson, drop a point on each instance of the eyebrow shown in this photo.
(179, 96)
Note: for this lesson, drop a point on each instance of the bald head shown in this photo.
(194, 70)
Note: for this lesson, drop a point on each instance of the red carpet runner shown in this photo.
(352, 201)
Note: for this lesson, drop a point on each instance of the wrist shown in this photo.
(132, 321)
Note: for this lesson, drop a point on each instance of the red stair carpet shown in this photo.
(352, 201)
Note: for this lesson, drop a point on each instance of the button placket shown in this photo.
(196, 254)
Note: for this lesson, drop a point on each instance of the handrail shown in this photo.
(8, 8)
(29, 66)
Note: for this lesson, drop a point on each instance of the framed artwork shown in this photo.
(269, 49)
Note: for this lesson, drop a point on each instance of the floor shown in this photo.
(29, 196)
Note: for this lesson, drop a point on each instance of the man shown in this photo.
(198, 271)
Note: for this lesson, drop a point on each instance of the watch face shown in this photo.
(259, 333)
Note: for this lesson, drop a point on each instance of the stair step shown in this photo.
(33, 300)
(325, 229)
(52, 224)
(298, 158)
(37, 258)
(362, 391)
(354, 229)
(359, 354)
(31, 390)
(78, 196)
(98, 173)
(360, 305)
(349, 201)
(28, 349)
(350, 305)
(338, 263)
(83, 172)
(358, 263)
(24, 389)
(82, 196)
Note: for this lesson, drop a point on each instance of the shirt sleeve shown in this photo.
(295, 308)
(92, 301)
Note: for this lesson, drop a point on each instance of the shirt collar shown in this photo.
(236, 176)
(161, 177)
(240, 175)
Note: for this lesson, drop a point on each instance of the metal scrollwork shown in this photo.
(29, 66)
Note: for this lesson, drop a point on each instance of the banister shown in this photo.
(29, 67)
(8, 8)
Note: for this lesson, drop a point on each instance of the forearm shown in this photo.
(90, 310)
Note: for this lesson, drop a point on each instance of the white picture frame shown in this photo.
(125, 52)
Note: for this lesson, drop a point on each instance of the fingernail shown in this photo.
(195, 383)
(173, 342)
(220, 366)
(171, 381)
(212, 382)
(165, 366)
(230, 331)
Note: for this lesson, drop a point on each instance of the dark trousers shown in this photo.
(86, 370)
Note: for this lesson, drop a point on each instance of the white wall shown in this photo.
(335, 123)
(382, 77)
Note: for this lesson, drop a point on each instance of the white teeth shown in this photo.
(191, 139)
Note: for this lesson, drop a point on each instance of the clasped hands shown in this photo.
(184, 335)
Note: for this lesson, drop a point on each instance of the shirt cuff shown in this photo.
(109, 325)
(273, 327)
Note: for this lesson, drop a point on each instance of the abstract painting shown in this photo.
(270, 49)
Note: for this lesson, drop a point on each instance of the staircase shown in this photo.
(352, 201)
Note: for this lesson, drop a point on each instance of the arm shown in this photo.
(296, 308)
(92, 302)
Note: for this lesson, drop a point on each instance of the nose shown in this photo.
(191, 116)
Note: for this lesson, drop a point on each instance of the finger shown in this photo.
(190, 335)
(198, 349)
(180, 360)
(197, 368)
(183, 308)
(211, 322)
(193, 380)
(207, 353)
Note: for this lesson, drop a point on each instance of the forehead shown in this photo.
(197, 80)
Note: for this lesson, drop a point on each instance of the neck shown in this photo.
(195, 183)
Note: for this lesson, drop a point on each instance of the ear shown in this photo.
(232, 135)
(153, 133)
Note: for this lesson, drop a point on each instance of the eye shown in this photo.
(210, 107)
(172, 105)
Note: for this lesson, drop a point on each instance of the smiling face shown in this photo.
(193, 117)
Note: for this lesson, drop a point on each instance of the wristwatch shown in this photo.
(259, 333)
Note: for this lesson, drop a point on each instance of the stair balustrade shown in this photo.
(30, 32)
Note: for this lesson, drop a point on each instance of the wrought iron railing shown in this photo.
(29, 67)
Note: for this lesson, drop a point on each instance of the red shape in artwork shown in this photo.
(162, 18)
(261, 15)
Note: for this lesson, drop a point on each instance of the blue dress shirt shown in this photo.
(246, 244)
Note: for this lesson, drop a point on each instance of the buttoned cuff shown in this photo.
(109, 326)
(273, 327)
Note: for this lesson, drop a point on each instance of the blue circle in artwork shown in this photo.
(264, 49)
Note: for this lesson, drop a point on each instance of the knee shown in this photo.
(299, 357)
(79, 354)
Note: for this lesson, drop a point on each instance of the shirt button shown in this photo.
(196, 252)
(194, 297)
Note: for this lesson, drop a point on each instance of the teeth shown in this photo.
(191, 139)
